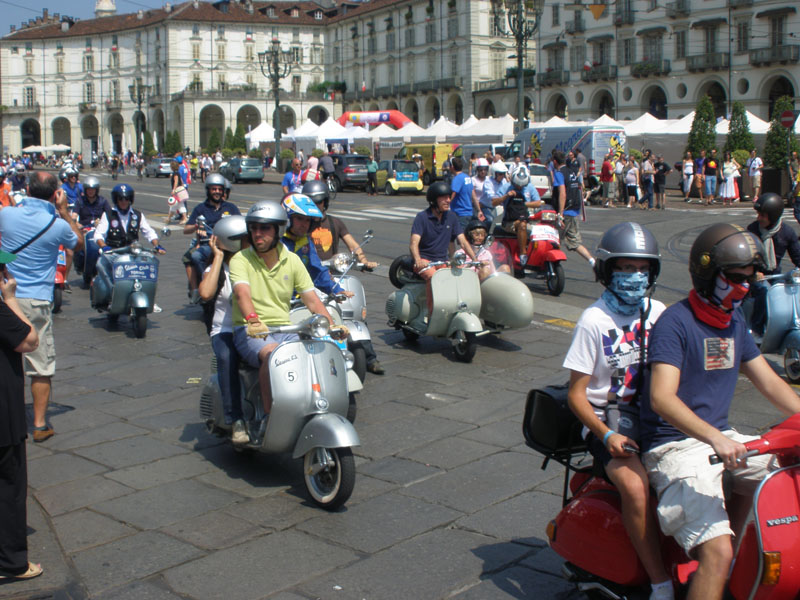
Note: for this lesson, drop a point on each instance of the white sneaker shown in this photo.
(523, 260)
(662, 592)
(157, 308)
(239, 435)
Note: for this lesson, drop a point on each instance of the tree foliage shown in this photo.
(149, 149)
(780, 141)
(238, 138)
(172, 143)
(739, 136)
(228, 141)
(214, 142)
(702, 135)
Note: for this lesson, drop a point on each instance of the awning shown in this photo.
(553, 45)
(652, 30)
(776, 12)
(605, 37)
(709, 22)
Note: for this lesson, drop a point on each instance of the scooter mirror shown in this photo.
(488, 241)
(368, 232)
(166, 232)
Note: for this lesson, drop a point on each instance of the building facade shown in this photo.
(194, 68)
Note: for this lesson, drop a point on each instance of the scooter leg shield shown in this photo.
(328, 430)
(464, 321)
(139, 300)
(358, 331)
(101, 288)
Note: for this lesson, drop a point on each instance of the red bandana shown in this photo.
(707, 312)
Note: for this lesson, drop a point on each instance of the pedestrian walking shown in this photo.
(688, 176)
(372, 177)
(754, 168)
(661, 169)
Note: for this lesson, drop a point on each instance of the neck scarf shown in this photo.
(726, 298)
(625, 292)
(769, 246)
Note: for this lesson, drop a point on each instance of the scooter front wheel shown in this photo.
(556, 280)
(140, 322)
(791, 364)
(465, 347)
(330, 476)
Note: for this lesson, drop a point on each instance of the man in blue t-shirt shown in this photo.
(461, 193)
(292, 184)
(568, 192)
(696, 350)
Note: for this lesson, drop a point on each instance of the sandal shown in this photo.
(34, 570)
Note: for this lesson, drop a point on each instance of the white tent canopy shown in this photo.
(380, 132)
(330, 132)
(606, 121)
(306, 129)
(439, 130)
(261, 134)
(756, 125)
(488, 130)
(645, 124)
(410, 132)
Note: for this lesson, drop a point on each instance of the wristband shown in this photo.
(608, 434)
(252, 315)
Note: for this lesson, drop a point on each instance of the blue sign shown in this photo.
(142, 271)
(406, 175)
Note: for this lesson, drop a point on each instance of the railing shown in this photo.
(250, 93)
(783, 53)
(86, 107)
(740, 3)
(647, 68)
(679, 8)
(575, 26)
(553, 78)
(599, 72)
(23, 109)
(623, 17)
(113, 105)
(426, 86)
(701, 62)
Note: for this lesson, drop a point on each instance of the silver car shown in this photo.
(158, 167)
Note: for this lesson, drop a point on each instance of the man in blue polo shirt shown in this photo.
(33, 231)
(461, 193)
(212, 210)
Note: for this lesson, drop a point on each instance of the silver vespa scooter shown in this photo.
(309, 407)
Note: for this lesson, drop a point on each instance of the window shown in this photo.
(249, 53)
(390, 41)
(249, 79)
(60, 65)
(336, 54)
(653, 47)
(430, 32)
(88, 63)
(498, 62)
(296, 80)
(221, 31)
(30, 95)
(412, 69)
(114, 42)
(113, 61)
(577, 57)
(711, 40)
(777, 31)
(28, 47)
(60, 94)
(454, 62)
(355, 47)
(14, 49)
(627, 51)
(195, 51)
(158, 54)
(295, 34)
(158, 34)
(28, 67)
(742, 36)
(373, 76)
(297, 54)
(195, 29)
(59, 47)
(371, 45)
(222, 82)
(271, 11)
(555, 59)
(497, 24)
(115, 90)
(294, 13)
(431, 66)
(88, 44)
(248, 35)
(411, 37)
(197, 83)
(392, 72)
(88, 92)
(220, 51)
(316, 55)
(680, 44)
(157, 91)
(316, 36)
(601, 55)
(318, 15)
(556, 15)
(452, 26)
(138, 57)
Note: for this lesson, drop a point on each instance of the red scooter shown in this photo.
(588, 532)
(61, 278)
(544, 252)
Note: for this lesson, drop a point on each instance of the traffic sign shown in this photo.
(787, 118)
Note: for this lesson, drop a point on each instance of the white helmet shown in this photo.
(482, 162)
(498, 167)
(521, 177)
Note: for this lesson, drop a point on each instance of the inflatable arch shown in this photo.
(374, 117)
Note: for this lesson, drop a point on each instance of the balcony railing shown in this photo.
(623, 17)
(113, 105)
(576, 26)
(701, 62)
(679, 8)
(740, 3)
(648, 68)
(553, 78)
(784, 53)
(599, 72)
(87, 107)
(23, 109)
(244, 93)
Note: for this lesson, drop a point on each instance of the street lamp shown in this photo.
(139, 92)
(275, 65)
(518, 19)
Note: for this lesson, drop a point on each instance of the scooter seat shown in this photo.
(499, 232)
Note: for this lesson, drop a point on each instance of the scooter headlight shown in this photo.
(549, 216)
(321, 403)
(319, 326)
(340, 262)
(349, 359)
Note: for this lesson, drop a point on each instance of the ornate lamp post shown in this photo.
(518, 19)
(139, 92)
(275, 65)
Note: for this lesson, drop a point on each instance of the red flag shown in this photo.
(188, 171)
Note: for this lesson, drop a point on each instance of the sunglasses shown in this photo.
(738, 278)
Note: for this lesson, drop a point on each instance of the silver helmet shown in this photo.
(91, 182)
(521, 177)
(230, 231)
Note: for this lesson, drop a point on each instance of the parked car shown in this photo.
(158, 167)
(243, 169)
(398, 176)
(540, 178)
(350, 170)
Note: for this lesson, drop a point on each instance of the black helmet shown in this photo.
(122, 191)
(722, 246)
(626, 240)
(473, 225)
(318, 191)
(436, 190)
(771, 204)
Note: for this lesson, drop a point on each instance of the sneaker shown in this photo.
(376, 368)
(194, 297)
(239, 435)
(157, 308)
(41, 434)
(523, 260)
(662, 592)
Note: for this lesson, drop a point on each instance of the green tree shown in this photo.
(213, 141)
(780, 141)
(172, 145)
(739, 136)
(228, 141)
(149, 149)
(702, 135)
(238, 138)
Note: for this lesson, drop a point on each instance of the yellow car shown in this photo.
(395, 176)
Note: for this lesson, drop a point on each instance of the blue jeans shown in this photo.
(488, 212)
(228, 375)
(86, 259)
(647, 184)
(200, 256)
(758, 320)
(464, 220)
(711, 185)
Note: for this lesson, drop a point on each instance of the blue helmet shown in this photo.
(122, 191)
(300, 204)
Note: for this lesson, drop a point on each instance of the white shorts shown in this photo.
(691, 506)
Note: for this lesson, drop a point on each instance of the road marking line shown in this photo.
(384, 214)
(561, 323)
(348, 216)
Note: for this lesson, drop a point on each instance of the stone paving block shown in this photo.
(58, 468)
(410, 432)
(64, 497)
(444, 561)
(450, 452)
(268, 564)
(131, 451)
(167, 420)
(93, 434)
(380, 522)
(34, 451)
(126, 407)
(250, 474)
(150, 589)
(193, 436)
(83, 529)
(278, 511)
(481, 411)
(141, 477)
(146, 389)
(504, 434)
(516, 519)
(398, 470)
(368, 487)
(479, 484)
(214, 530)
(166, 504)
(131, 558)
(384, 412)
(79, 420)
(544, 561)
(519, 582)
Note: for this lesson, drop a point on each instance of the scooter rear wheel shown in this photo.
(791, 364)
(329, 486)
(58, 298)
(359, 360)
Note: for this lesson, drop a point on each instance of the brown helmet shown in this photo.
(722, 246)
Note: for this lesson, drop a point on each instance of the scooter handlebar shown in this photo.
(714, 459)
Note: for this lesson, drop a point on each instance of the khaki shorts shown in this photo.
(691, 506)
(570, 236)
(42, 361)
(756, 181)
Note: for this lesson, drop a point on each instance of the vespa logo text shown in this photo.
(278, 363)
(782, 521)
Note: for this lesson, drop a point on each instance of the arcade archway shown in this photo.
(211, 119)
(62, 131)
(30, 133)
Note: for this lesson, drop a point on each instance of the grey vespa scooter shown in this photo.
(309, 407)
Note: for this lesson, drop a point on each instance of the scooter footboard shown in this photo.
(329, 430)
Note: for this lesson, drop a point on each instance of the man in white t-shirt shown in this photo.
(478, 181)
(606, 361)
(754, 167)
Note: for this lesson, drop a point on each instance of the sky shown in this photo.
(17, 11)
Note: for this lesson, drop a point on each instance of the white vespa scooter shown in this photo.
(309, 407)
